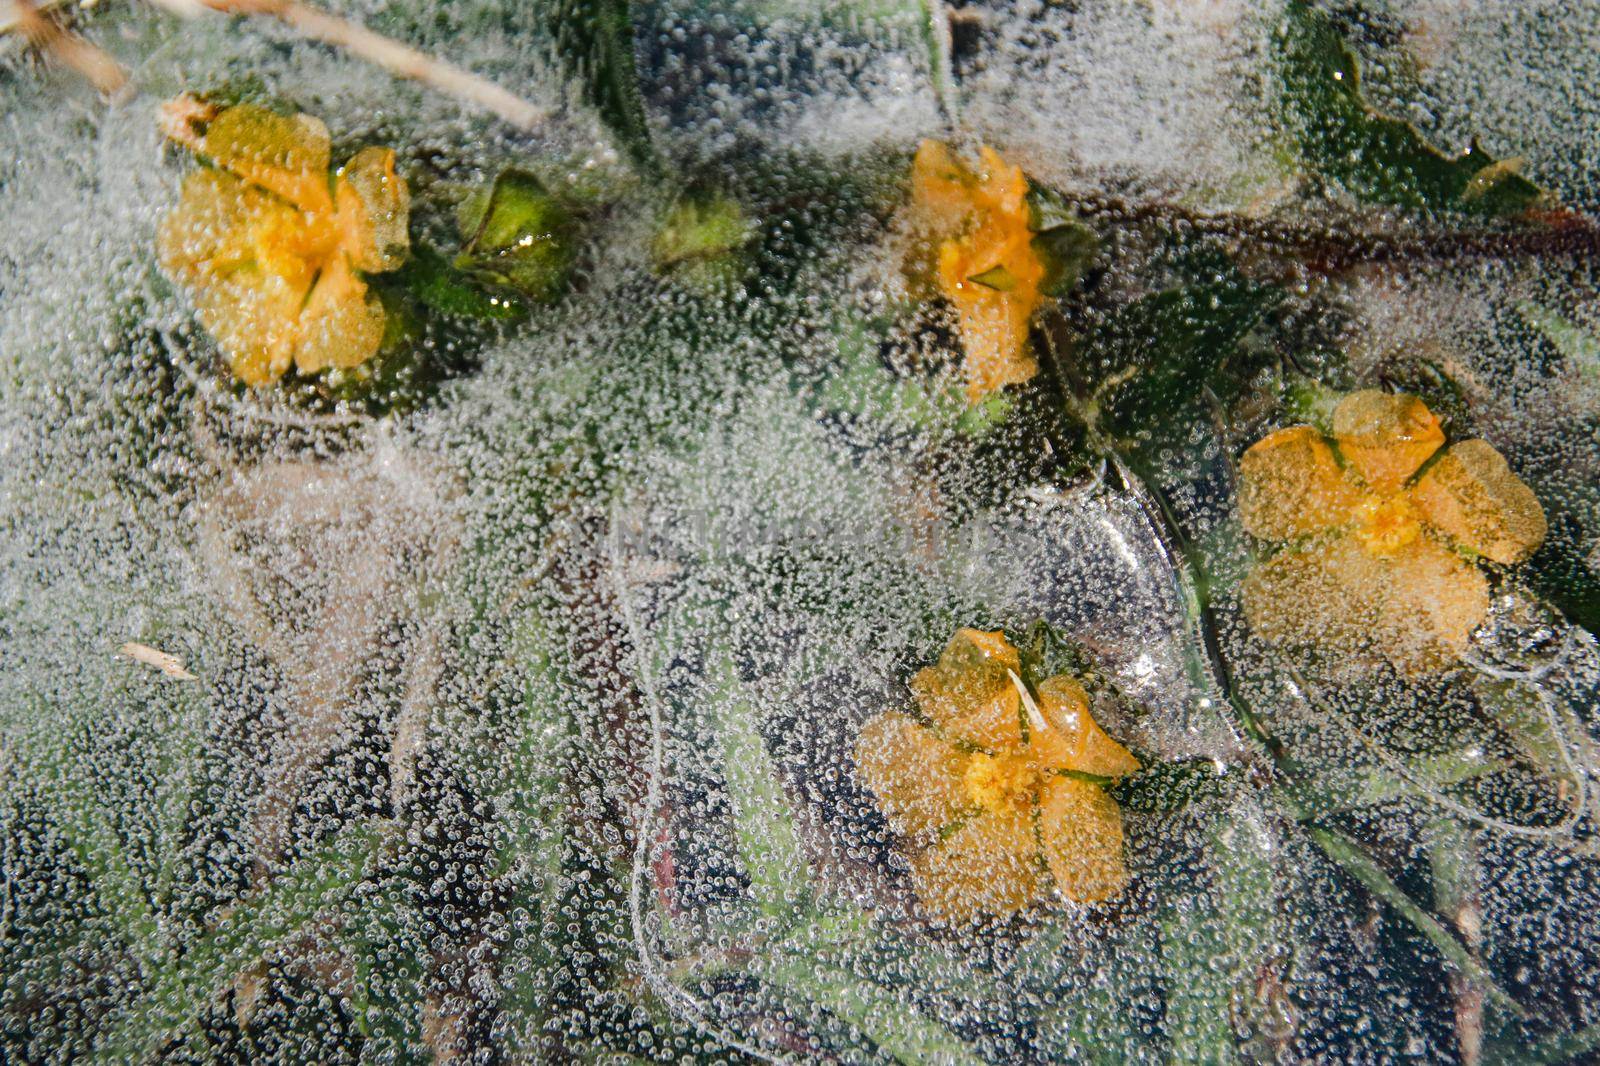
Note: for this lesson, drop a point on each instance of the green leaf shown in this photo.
(1150, 358)
(997, 278)
(894, 1025)
(445, 290)
(1067, 251)
(1355, 861)
(1372, 156)
(595, 44)
(1565, 1048)
(768, 844)
(1213, 951)
(935, 25)
(1313, 796)
(322, 880)
(701, 228)
(519, 235)
(1580, 347)
(1171, 786)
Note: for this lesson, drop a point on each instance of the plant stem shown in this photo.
(1329, 249)
(401, 60)
(66, 47)
(1354, 860)
(1194, 578)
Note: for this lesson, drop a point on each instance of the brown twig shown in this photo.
(66, 47)
(1330, 249)
(401, 60)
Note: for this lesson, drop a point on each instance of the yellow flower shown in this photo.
(1385, 569)
(271, 250)
(977, 790)
(987, 266)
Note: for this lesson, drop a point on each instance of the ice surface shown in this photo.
(524, 714)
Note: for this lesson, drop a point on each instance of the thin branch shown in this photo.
(166, 662)
(1329, 249)
(401, 60)
(11, 15)
(66, 47)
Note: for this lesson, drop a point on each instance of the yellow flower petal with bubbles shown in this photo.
(988, 865)
(1321, 597)
(1071, 739)
(1290, 485)
(1472, 495)
(969, 694)
(916, 778)
(271, 250)
(286, 155)
(253, 316)
(1434, 601)
(941, 186)
(219, 226)
(1416, 608)
(978, 706)
(341, 325)
(374, 211)
(986, 265)
(1385, 437)
(971, 648)
(1080, 829)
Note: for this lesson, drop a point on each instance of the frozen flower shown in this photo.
(997, 791)
(1387, 532)
(272, 251)
(987, 266)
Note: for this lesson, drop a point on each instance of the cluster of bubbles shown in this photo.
(520, 722)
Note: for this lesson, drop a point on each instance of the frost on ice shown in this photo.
(502, 693)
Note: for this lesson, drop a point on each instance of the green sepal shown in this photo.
(445, 290)
(1067, 251)
(520, 236)
(997, 278)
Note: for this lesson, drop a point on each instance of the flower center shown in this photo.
(1386, 524)
(283, 245)
(996, 782)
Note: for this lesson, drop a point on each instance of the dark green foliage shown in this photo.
(446, 291)
(1372, 156)
(1148, 359)
(520, 236)
(595, 43)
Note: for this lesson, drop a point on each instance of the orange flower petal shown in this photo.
(1416, 608)
(985, 220)
(915, 776)
(373, 211)
(994, 337)
(941, 187)
(989, 865)
(1326, 597)
(1290, 485)
(1080, 828)
(253, 316)
(977, 706)
(1472, 495)
(212, 229)
(286, 156)
(1385, 437)
(1434, 601)
(342, 324)
(1072, 739)
(969, 694)
(1003, 185)
(979, 648)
